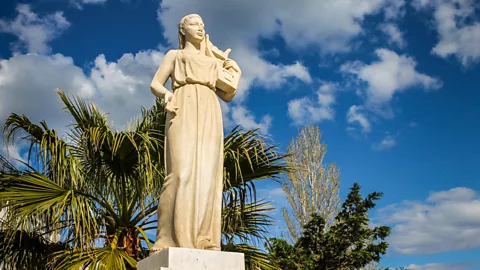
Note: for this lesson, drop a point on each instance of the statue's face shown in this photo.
(194, 30)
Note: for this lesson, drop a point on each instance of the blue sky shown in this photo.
(392, 84)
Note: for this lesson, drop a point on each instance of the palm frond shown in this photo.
(86, 115)
(98, 182)
(6, 166)
(248, 223)
(32, 196)
(52, 154)
(247, 157)
(109, 257)
(26, 250)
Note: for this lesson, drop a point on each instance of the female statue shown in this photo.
(189, 211)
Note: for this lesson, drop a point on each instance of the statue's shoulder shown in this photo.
(171, 54)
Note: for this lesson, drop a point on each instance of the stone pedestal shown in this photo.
(192, 259)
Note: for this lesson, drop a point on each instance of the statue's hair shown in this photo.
(181, 26)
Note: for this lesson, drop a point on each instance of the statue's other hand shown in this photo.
(230, 63)
(170, 102)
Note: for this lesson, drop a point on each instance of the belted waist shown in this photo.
(193, 83)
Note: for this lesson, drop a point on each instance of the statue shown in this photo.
(189, 211)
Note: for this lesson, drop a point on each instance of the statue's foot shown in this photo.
(205, 243)
(156, 250)
(211, 246)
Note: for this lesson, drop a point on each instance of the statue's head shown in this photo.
(192, 29)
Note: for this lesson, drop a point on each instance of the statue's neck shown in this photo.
(192, 48)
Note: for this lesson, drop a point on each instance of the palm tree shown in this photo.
(96, 189)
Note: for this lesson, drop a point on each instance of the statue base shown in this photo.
(192, 259)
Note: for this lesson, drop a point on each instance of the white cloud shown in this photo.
(227, 121)
(123, 86)
(93, 1)
(28, 83)
(267, 75)
(228, 28)
(80, 3)
(245, 118)
(357, 115)
(34, 32)
(305, 111)
(394, 9)
(388, 142)
(446, 221)
(458, 28)
(13, 153)
(118, 88)
(393, 73)
(308, 110)
(261, 73)
(395, 36)
(456, 194)
(328, 25)
(444, 266)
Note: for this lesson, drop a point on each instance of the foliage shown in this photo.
(348, 244)
(311, 187)
(95, 191)
(29, 248)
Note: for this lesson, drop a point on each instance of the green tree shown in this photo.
(96, 190)
(348, 244)
(311, 187)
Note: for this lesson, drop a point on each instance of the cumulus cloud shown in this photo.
(228, 28)
(356, 115)
(93, 1)
(395, 36)
(243, 117)
(118, 88)
(80, 3)
(122, 87)
(35, 32)
(330, 26)
(444, 266)
(388, 142)
(15, 153)
(258, 72)
(27, 89)
(308, 110)
(391, 74)
(394, 9)
(458, 28)
(446, 221)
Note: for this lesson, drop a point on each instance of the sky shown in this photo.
(392, 84)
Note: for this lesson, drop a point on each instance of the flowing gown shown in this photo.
(189, 211)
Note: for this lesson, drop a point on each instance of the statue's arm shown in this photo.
(227, 97)
(163, 73)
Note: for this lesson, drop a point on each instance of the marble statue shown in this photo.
(189, 211)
